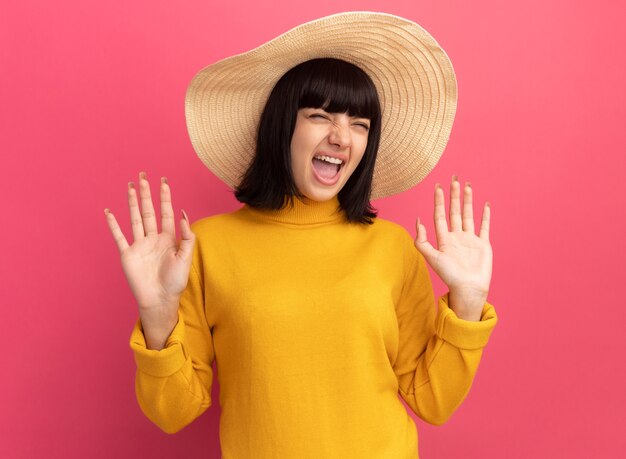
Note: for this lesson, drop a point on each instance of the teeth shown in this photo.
(329, 159)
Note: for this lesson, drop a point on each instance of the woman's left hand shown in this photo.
(464, 260)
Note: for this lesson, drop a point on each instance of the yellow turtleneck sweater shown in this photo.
(318, 326)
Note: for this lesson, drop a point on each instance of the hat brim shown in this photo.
(413, 75)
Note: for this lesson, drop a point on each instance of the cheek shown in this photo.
(362, 148)
(298, 146)
(298, 161)
(294, 150)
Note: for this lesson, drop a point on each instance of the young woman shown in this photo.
(319, 314)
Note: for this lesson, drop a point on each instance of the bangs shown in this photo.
(338, 87)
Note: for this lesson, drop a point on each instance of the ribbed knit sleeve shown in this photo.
(438, 352)
(173, 385)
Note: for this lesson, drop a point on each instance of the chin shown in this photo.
(320, 195)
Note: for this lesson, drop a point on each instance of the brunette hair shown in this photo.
(336, 86)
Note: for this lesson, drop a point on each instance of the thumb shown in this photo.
(188, 238)
(422, 244)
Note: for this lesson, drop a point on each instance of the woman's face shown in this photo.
(335, 135)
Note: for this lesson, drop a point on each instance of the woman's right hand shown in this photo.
(157, 269)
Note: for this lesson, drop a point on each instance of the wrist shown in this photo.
(467, 305)
(157, 329)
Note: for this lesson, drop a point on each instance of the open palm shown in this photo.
(156, 265)
(463, 260)
(156, 268)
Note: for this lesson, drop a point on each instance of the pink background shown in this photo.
(92, 93)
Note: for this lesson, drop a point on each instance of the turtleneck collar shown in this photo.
(305, 211)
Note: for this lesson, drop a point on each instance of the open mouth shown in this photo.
(326, 169)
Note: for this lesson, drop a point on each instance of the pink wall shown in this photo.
(92, 93)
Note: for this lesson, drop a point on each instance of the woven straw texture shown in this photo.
(412, 73)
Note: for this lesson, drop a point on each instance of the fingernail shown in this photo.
(454, 179)
(185, 216)
(164, 180)
(468, 184)
(143, 175)
(131, 185)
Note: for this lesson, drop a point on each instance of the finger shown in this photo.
(441, 225)
(168, 225)
(147, 209)
(423, 246)
(185, 250)
(118, 236)
(455, 205)
(135, 216)
(468, 210)
(484, 226)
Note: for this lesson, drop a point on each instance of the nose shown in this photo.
(340, 134)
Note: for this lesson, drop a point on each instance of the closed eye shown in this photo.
(326, 118)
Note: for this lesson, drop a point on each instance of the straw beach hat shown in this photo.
(413, 76)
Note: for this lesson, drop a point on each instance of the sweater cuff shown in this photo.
(465, 334)
(159, 363)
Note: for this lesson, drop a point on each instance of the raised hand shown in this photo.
(464, 260)
(157, 269)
